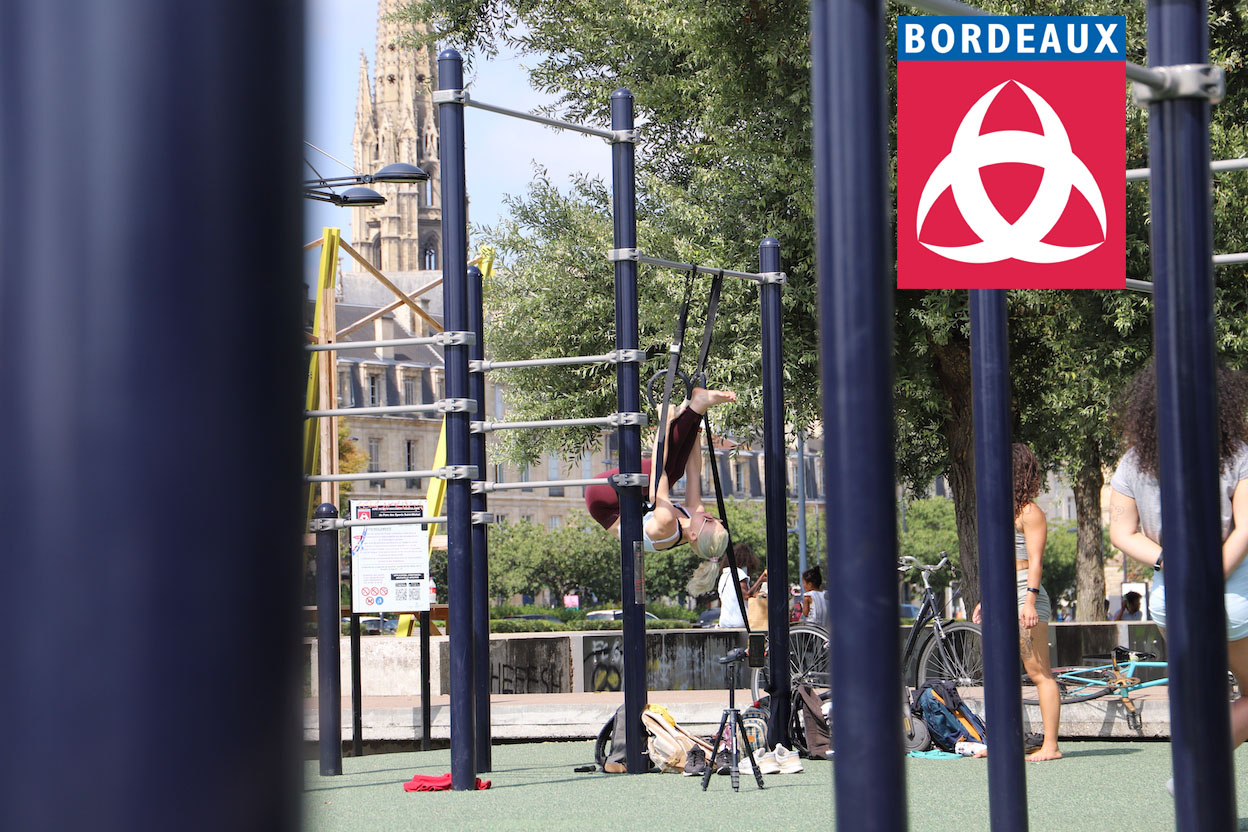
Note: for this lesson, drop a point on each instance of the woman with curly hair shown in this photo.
(1135, 507)
(1034, 609)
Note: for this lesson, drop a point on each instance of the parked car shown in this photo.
(613, 615)
(708, 618)
(533, 616)
(909, 610)
(371, 625)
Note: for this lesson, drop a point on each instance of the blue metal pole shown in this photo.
(328, 650)
(856, 369)
(628, 400)
(774, 497)
(458, 492)
(135, 558)
(994, 507)
(1187, 427)
(801, 502)
(480, 536)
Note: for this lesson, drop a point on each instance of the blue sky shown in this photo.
(500, 150)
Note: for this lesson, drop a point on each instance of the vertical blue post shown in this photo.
(994, 506)
(357, 684)
(130, 521)
(328, 650)
(856, 369)
(801, 502)
(628, 400)
(455, 358)
(1187, 427)
(774, 457)
(480, 536)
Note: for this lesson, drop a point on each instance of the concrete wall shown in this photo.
(675, 659)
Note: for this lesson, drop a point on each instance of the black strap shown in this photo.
(723, 518)
(673, 367)
(712, 308)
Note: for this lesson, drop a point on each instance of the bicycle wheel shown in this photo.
(957, 658)
(914, 733)
(1076, 684)
(808, 661)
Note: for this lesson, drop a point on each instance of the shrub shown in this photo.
(525, 625)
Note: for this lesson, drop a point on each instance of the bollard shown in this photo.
(328, 653)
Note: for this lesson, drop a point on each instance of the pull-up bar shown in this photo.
(440, 406)
(478, 517)
(1154, 78)
(487, 487)
(615, 420)
(442, 339)
(462, 97)
(1221, 165)
(613, 357)
(1218, 260)
(619, 254)
(449, 472)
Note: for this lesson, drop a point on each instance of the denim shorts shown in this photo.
(1044, 609)
(1235, 599)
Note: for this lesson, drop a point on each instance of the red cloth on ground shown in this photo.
(429, 783)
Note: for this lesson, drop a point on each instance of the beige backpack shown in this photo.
(669, 744)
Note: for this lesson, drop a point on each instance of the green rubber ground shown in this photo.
(1115, 786)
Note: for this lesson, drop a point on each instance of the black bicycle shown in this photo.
(948, 650)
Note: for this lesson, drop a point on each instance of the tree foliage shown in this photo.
(723, 97)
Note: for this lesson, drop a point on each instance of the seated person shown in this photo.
(1130, 610)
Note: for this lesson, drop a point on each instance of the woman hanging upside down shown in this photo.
(670, 524)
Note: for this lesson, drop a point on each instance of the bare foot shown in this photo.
(1043, 754)
(703, 400)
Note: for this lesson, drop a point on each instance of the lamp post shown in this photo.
(358, 196)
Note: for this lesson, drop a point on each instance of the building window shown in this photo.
(1070, 508)
(410, 459)
(429, 183)
(739, 483)
(499, 469)
(344, 388)
(552, 473)
(526, 518)
(375, 392)
(411, 391)
(555, 522)
(524, 477)
(374, 460)
(498, 403)
(430, 258)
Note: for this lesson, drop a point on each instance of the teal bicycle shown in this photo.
(1120, 677)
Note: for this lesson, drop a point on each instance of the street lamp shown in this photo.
(358, 196)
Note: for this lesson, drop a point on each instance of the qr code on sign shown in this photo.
(401, 592)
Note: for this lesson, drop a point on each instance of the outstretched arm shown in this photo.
(1124, 530)
(1235, 548)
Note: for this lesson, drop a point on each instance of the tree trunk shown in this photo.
(1090, 561)
(953, 370)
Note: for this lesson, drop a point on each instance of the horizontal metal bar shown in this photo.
(1221, 165)
(375, 411)
(549, 122)
(390, 521)
(487, 487)
(374, 475)
(360, 345)
(1140, 285)
(707, 270)
(1230, 259)
(606, 358)
(602, 421)
(1135, 72)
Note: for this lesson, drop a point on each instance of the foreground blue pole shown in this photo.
(994, 507)
(774, 458)
(856, 370)
(1187, 428)
(458, 491)
(328, 645)
(480, 537)
(628, 400)
(141, 693)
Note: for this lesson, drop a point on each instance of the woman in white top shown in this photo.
(814, 600)
(731, 615)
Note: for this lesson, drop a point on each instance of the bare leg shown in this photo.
(664, 522)
(1237, 653)
(693, 478)
(1033, 645)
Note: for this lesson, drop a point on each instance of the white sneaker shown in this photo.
(789, 762)
(1170, 786)
(767, 762)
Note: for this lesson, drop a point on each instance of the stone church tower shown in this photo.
(396, 121)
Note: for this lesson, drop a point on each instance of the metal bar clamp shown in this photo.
(449, 96)
(630, 480)
(481, 518)
(773, 277)
(617, 254)
(618, 136)
(456, 472)
(627, 356)
(456, 405)
(617, 420)
(323, 524)
(1184, 81)
(455, 338)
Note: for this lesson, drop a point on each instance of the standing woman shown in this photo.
(1034, 610)
(1135, 509)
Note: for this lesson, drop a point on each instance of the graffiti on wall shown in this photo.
(604, 663)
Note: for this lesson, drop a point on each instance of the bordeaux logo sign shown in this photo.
(1011, 153)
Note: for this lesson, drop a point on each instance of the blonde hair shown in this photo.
(712, 543)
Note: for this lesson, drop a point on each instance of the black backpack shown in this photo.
(949, 720)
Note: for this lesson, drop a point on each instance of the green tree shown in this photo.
(929, 528)
(723, 92)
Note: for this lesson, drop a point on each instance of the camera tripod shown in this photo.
(730, 727)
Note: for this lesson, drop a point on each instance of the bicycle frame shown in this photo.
(928, 611)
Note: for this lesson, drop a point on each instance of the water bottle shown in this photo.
(970, 749)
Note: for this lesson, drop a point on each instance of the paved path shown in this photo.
(541, 716)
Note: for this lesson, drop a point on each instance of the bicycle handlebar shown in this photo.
(906, 563)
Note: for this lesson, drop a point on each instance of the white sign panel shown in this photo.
(389, 564)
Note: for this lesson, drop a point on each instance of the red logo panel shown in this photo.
(1011, 175)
